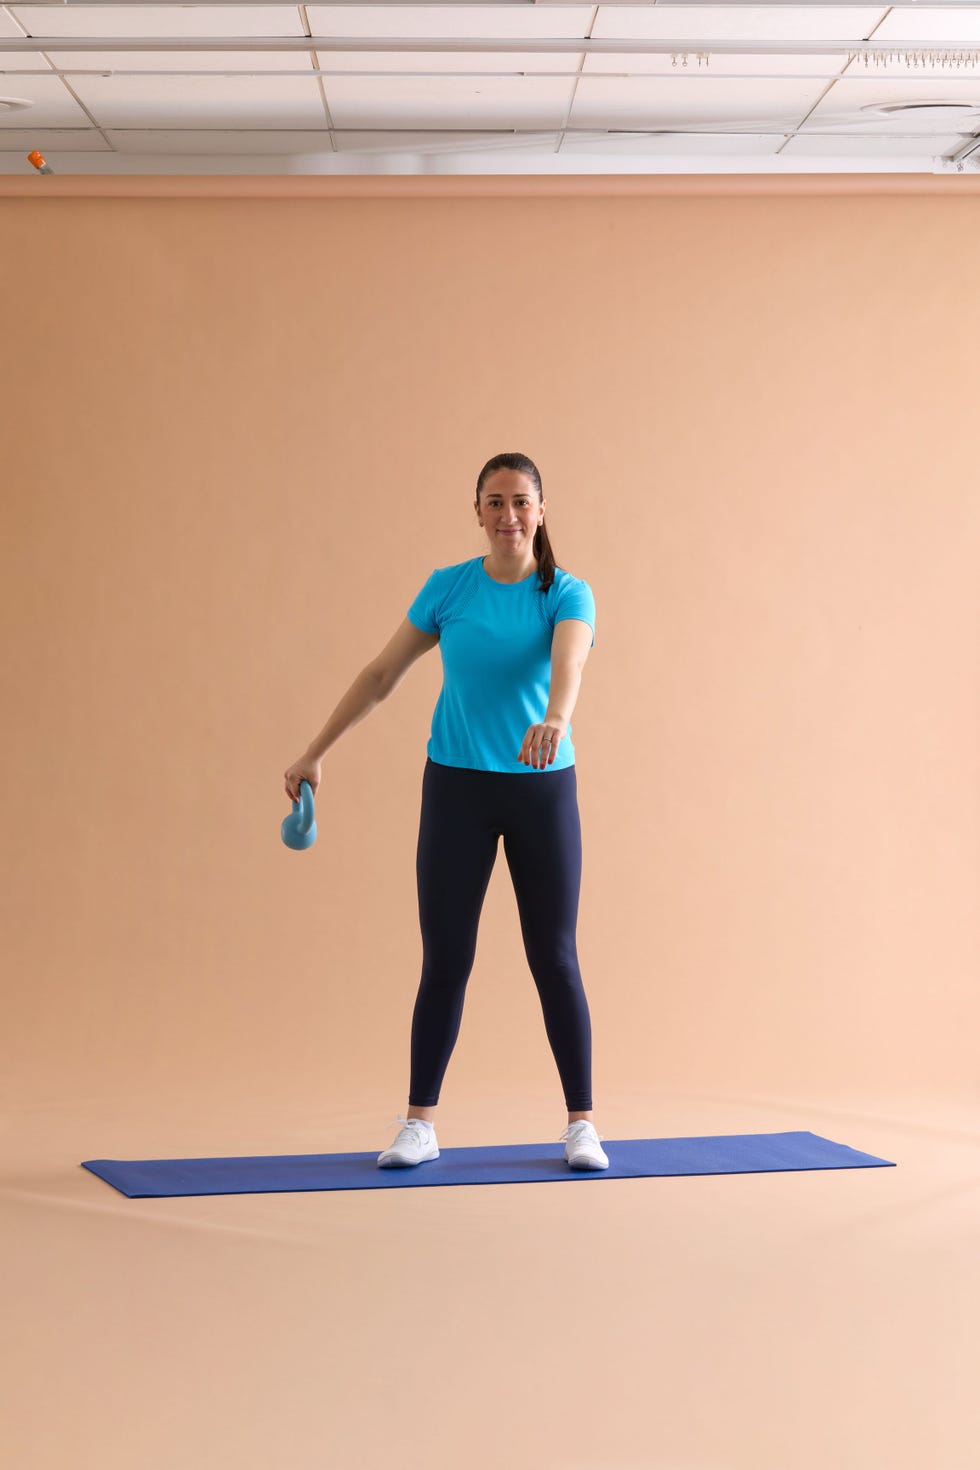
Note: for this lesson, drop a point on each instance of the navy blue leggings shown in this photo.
(464, 813)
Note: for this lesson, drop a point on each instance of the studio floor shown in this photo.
(816, 1320)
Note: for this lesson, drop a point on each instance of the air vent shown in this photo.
(934, 113)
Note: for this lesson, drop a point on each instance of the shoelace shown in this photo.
(564, 1137)
(407, 1122)
(567, 1132)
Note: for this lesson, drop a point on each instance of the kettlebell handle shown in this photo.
(299, 828)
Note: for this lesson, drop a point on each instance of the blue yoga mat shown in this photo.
(508, 1163)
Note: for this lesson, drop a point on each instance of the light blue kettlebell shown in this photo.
(299, 828)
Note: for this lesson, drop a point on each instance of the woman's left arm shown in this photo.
(570, 646)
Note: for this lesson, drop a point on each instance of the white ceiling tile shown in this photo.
(697, 100)
(448, 102)
(450, 22)
(21, 61)
(958, 24)
(286, 141)
(736, 22)
(201, 102)
(159, 20)
(617, 145)
(851, 94)
(749, 66)
(870, 148)
(53, 140)
(185, 62)
(462, 143)
(507, 62)
(54, 106)
(10, 61)
(293, 143)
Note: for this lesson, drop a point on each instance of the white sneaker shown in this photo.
(583, 1150)
(415, 1144)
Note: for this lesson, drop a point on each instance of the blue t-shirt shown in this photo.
(495, 641)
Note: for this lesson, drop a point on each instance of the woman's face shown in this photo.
(509, 502)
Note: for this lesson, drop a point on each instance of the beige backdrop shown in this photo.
(239, 435)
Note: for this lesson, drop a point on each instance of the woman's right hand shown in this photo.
(307, 768)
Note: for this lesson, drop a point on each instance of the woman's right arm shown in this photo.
(367, 691)
(374, 683)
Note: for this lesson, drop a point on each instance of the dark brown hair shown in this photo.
(541, 543)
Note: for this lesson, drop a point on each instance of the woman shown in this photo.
(514, 633)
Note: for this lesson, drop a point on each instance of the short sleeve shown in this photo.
(425, 605)
(575, 600)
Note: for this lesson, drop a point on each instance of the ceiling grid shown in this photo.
(470, 87)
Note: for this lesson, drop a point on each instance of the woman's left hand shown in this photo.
(536, 751)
